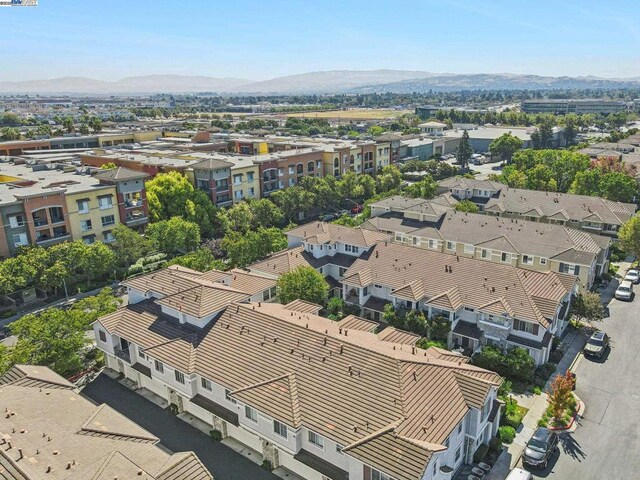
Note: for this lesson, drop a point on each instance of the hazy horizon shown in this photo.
(261, 40)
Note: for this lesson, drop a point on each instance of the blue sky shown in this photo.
(111, 39)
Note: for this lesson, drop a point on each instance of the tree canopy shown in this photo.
(304, 283)
(505, 146)
(174, 235)
(629, 236)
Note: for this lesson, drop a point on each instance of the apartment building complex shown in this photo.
(592, 214)
(486, 303)
(44, 204)
(434, 225)
(50, 431)
(578, 106)
(323, 399)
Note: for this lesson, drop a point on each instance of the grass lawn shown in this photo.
(355, 114)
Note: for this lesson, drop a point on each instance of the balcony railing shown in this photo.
(122, 353)
(499, 322)
(40, 222)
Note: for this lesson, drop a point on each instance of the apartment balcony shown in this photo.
(122, 353)
(40, 222)
(132, 203)
(132, 220)
(498, 322)
(46, 240)
(353, 299)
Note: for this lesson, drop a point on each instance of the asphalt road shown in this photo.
(175, 434)
(607, 441)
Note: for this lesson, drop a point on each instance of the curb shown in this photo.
(579, 413)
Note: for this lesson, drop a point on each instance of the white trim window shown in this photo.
(158, 366)
(228, 397)
(543, 261)
(527, 259)
(469, 249)
(451, 246)
(206, 384)
(316, 440)
(251, 413)
(179, 376)
(280, 429)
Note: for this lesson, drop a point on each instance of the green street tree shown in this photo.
(505, 146)
(304, 283)
(588, 307)
(629, 236)
(464, 152)
(174, 235)
(244, 249)
(95, 123)
(129, 246)
(389, 178)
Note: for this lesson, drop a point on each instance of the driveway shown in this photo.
(607, 440)
(174, 434)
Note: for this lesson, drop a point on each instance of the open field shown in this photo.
(355, 114)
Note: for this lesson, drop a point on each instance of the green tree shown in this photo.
(129, 246)
(304, 283)
(244, 249)
(464, 152)
(294, 202)
(68, 124)
(505, 146)
(586, 182)
(375, 130)
(9, 134)
(425, 188)
(541, 178)
(336, 308)
(587, 306)
(389, 178)
(174, 235)
(629, 236)
(570, 128)
(618, 186)
(201, 260)
(466, 206)
(56, 338)
(83, 129)
(172, 195)
(95, 123)
(108, 166)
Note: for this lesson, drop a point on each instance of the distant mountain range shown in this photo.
(336, 81)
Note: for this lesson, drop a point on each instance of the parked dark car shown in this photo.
(597, 345)
(329, 216)
(540, 447)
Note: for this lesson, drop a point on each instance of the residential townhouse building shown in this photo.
(487, 303)
(305, 400)
(592, 214)
(525, 244)
(64, 435)
(330, 249)
(44, 204)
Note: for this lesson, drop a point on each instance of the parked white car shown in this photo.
(624, 291)
(633, 276)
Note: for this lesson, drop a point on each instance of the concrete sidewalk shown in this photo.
(607, 295)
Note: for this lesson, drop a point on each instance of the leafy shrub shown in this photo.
(505, 389)
(542, 422)
(545, 371)
(515, 365)
(173, 408)
(153, 258)
(481, 452)
(506, 434)
(216, 435)
(512, 415)
(266, 464)
(537, 390)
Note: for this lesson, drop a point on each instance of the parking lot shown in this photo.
(607, 440)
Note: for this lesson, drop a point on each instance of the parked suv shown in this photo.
(540, 447)
(597, 345)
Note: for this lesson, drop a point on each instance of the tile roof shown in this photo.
(311, 371)
(463, 281)
(322, 233)
(211, 164)
(302, 306)
(84, 441)
(36, 377)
